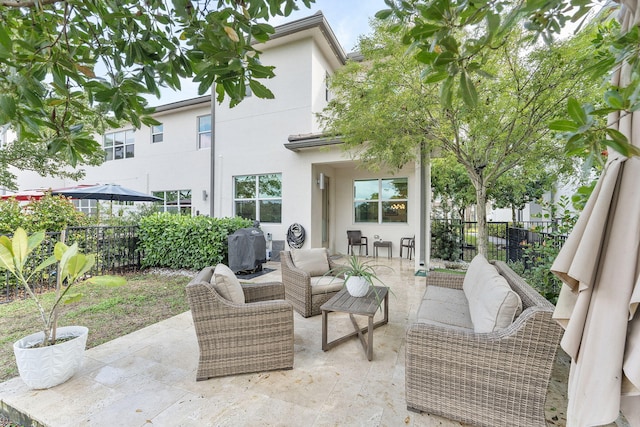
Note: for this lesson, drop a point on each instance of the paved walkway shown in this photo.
(147, 378)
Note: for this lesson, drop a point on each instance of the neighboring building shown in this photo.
(266, 159)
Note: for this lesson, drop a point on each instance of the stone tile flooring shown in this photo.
(148, 378)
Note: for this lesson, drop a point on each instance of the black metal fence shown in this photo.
(458, 240)
(116, 250)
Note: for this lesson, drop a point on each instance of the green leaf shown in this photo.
(6, 258)
(614, 99)
(576, 112)
(468, 90)
(445, 58)
(20, 246)
(260, 90)
(383, 14)
(5, 40)
(7, 108)
(563, 126)
(446, 92)
(435, 77)
(617, 136)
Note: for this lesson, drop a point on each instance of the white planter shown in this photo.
(357, 286)
(45, 367)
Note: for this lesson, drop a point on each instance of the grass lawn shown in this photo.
(107, 312)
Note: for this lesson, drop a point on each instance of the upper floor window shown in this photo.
(204, 132)
(119, 145)
(259, 197)
(157, 133)
(176, 201)
(327, 92)
(381, 200)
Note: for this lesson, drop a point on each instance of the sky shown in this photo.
(347, 18)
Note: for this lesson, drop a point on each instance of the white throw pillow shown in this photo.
(493, 305)
(228, 285)
(312, 261)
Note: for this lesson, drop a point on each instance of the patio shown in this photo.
(148, 378)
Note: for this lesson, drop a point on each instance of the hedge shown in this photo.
(177, 241)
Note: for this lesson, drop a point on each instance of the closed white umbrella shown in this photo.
(600, 265)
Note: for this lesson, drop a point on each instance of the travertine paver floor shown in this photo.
(147, 378)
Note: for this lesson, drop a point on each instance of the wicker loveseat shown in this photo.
(496, 378)
(305, 284)
(254, 333)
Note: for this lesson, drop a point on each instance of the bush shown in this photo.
(446, 241)
(49, 213)
(177, 241)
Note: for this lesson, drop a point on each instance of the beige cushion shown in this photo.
(324, 284)
(312, 261)
(445, 307)
(227, 284)
(492, 303)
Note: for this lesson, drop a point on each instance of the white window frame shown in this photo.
(180, 206)
(157, 131)
(201, 133)
(109, 144)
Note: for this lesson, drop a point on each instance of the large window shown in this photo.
(204, 132)
(119, 145)
(380, 200)
(259, 197)
(157, 133)
(176, 201)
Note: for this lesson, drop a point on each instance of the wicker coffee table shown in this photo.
(364, 306)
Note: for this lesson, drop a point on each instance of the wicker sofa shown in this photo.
(305, 284)
(252, 334)
(495, 378)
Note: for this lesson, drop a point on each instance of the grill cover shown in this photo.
(247, 250)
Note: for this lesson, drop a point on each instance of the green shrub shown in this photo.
(177, 241)
(11, 215)
(49, 213)
(446, 241)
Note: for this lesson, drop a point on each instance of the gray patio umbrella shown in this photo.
(109, 192)
(600, 266)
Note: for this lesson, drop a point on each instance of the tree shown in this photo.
(450, 182)
(385, 102)
(453, 38)
(69, 67)
(520, 186)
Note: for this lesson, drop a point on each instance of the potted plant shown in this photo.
(51, 356)
(358, 275)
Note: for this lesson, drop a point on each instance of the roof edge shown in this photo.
(316, 20)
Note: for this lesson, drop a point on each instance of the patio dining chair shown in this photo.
(409, 243)
(355, 238)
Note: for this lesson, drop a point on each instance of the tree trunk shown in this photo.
(481, 200)
(513, 214)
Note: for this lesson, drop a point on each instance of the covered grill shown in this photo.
(247, 250)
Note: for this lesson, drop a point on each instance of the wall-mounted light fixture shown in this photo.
(321, 181)
(204, 195)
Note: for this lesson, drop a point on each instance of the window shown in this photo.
(204, 132)
(177, 201)
(380, 200)
(87, 206)
(157, 133)
(259, 197)
(119, 145)
(326, 86)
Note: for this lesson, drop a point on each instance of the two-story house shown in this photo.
(267, 159)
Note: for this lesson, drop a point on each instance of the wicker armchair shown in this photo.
(299, 286)
(238, 338)
(490, 379)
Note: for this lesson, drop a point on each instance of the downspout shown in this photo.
(425, 211)
(212, 179)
